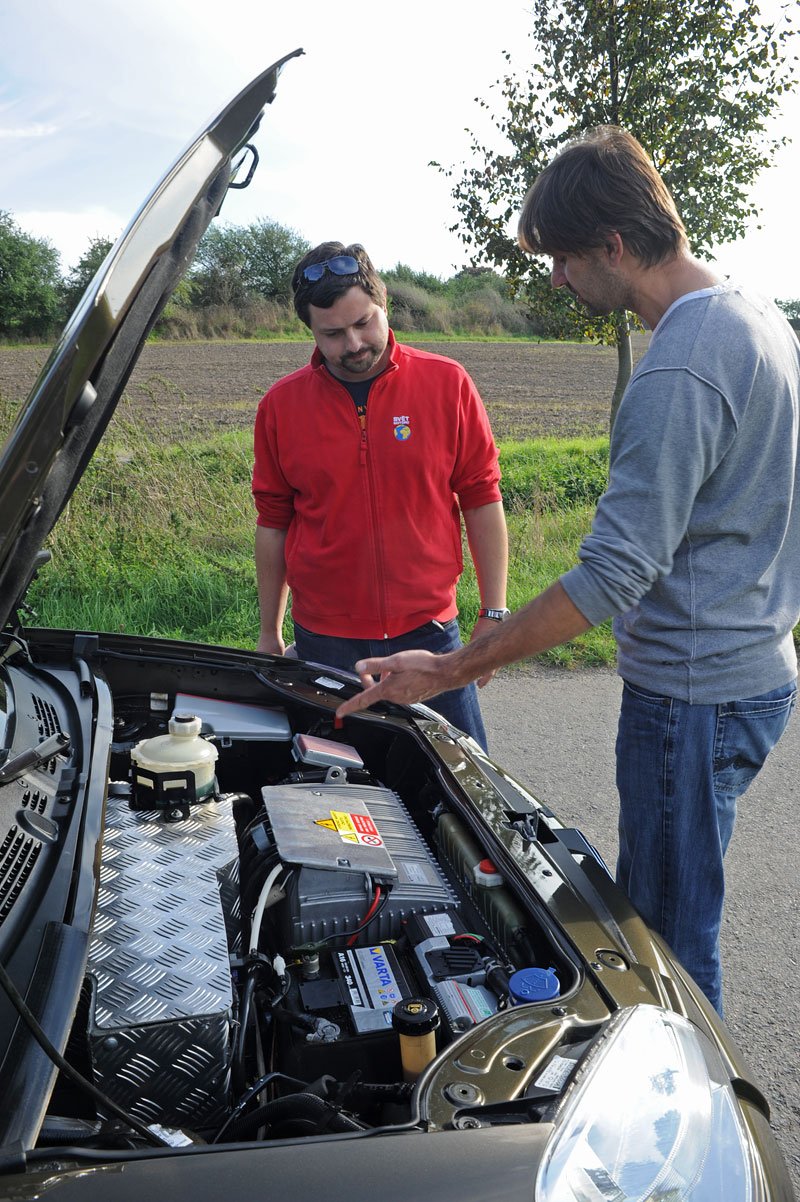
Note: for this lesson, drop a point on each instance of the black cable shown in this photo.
(349, 934)
(251, 1093)
(31, 1022)
(284, 991)
(237, 1065)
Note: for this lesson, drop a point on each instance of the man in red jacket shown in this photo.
(363, 460)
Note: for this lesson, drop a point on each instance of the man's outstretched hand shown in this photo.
(406, 677)
(547, 621)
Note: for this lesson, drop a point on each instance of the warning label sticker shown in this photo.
(357, 828)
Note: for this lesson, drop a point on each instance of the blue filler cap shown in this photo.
(533, 985)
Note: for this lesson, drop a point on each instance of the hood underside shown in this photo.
(79, 387)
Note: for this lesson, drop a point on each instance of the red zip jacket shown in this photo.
(373, 547)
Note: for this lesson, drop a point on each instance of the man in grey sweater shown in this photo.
(695, 546)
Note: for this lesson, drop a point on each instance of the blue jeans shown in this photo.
(459, 706)
(680, 770)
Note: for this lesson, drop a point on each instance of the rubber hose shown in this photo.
(238, 1074)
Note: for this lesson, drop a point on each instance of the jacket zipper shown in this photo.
(365, 463)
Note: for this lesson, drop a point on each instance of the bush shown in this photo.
(256, 319)
(402, 274)
(546, 474)
(235, 264)
(476, 279)
(480, 309)
(177, 323)
(414, 308)
(485, 309)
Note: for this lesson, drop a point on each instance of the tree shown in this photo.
(696, 83)
(420, 279)
(478, 279)
(29, 280)
(791, 308)
(81, 275)
(236, 263)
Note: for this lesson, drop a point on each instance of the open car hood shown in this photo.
(77, 391)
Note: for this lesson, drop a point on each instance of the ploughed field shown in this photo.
(531, 390)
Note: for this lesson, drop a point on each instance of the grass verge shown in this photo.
(158, 539)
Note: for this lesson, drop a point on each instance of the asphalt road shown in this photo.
(554, 730)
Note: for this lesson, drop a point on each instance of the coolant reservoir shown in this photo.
(177, 766)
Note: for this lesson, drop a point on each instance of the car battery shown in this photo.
(362, 982)
(354, 990)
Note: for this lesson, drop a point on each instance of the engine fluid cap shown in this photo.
(184, 725)
(415, 1016)
(533, 985)
(486, 875)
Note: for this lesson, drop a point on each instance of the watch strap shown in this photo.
(496, 615)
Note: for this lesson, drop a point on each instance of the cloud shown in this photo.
(39, 130)
(71, 233)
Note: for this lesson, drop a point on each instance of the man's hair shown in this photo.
(599, 184)
(325, 291)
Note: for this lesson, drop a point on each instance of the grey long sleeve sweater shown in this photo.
(695, 544)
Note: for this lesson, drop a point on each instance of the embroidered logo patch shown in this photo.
(402, 428)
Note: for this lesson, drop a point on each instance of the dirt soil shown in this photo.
(530, 389)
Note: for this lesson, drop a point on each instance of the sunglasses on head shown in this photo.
(338, 265)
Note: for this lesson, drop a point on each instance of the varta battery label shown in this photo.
(374, 982)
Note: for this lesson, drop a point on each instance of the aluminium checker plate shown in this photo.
(159, 967)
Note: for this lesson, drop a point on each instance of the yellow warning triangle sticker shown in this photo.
(328, 822)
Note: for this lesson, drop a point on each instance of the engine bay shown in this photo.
(288, 928)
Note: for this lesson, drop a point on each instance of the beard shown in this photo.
(607, 296)
(599, 308)
(361, 362)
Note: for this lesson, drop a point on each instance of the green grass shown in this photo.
(542, 545)
(158, 539)
(553, 473)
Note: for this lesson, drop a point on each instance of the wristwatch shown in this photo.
(497, 615)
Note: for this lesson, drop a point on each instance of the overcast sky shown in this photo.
(97, 98)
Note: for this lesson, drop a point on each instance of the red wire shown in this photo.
(376, 897)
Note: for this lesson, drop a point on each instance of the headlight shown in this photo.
(651, 1118)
